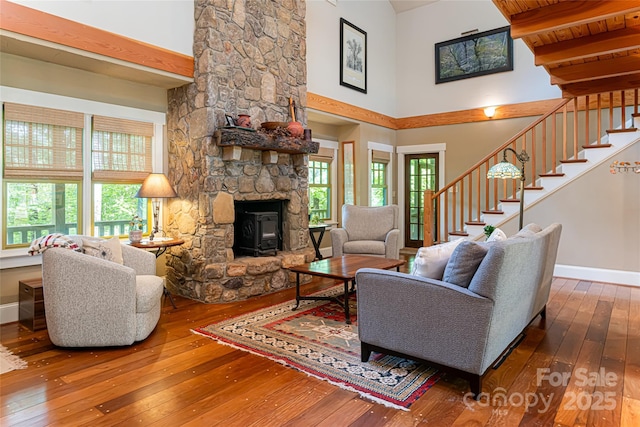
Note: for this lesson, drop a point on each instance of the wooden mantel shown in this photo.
(257, 140)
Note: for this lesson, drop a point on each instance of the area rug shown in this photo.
(316, 340)
(10, 362)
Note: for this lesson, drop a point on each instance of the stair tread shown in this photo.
(550, 175)
(475, 223)
(574, 161)
(493, 212)
(622, 130)
(597, 146)
(458, 233)
(534, 187)
(510, 200)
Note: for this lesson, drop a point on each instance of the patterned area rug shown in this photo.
(10, 362)
(315, 339)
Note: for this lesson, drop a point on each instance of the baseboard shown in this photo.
(618, 277)
(9, 313)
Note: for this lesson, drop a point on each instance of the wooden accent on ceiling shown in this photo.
(339, 108)
(512, 111)
(342, 109)
(51, 28)
(586, 46)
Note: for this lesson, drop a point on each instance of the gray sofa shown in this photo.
(367, 231)
(466, 330)
(93, 302)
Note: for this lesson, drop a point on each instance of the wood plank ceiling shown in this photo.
(586, 46)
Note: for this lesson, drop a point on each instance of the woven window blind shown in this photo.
(42, 142)
(120, 149)
(323, 155)
(381, 156)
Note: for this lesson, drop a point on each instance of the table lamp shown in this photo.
(506, 170)
(155, 187)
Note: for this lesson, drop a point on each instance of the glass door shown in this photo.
(421, 173)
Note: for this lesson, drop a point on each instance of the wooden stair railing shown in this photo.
(551, 140)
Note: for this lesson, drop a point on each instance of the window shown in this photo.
(121, 159)
(42, 172)
(378, 184)
(47, 154)
(379, 190)
(319, 189)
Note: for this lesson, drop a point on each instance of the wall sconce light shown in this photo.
(156, 186)
(490, 112)
(506, 170)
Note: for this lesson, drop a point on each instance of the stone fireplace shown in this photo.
(249, 59)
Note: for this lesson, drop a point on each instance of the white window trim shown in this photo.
(388, 149)
(332, 145)
(402, 151)
(12, 258)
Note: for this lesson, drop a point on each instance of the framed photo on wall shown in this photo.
(474, 55)
(349, 173)
(353, 56)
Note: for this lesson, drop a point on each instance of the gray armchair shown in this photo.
(367, 231)
(93, 302)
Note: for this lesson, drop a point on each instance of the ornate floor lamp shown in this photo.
(506, 170)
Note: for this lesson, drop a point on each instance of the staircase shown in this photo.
(577, 135)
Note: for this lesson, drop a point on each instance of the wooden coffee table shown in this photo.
(341, 268)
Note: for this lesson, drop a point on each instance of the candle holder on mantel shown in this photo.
(623, 166)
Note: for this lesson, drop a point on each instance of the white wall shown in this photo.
(164, 23)
(417, 33)
(378, 20)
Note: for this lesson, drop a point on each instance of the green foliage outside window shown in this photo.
(35, 209)
(378, 184)
(319, 189)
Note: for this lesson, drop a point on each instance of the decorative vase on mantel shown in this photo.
(135, 236)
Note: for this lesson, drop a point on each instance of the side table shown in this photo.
(31, 305)
(320, 229)
(160, 245)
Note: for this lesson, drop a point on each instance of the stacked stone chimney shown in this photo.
(250, 58)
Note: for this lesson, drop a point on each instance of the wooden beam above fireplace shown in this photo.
(257, 140)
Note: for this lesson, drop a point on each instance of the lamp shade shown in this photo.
(504, 170)
(156, 185)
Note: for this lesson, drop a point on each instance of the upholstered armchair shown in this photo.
(367, 231)
(91, 301)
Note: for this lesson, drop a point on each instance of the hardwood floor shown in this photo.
(176, 377)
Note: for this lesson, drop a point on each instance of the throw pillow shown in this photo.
(55, 240)
(109, 250)
(497, 235)
(430, 261)
(528, 230)
(464, 262)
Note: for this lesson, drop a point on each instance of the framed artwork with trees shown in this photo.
(353, 56)
(474, 55)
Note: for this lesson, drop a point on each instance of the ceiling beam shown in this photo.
(563, 15)
(601, 85)
(588, 47)
(620, 66)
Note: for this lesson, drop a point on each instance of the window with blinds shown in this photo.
(120, 149)
(42, 172)
(320, 185)
(42, 142)
(379, 187)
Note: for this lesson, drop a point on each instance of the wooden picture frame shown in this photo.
(474, 55)
(353, 56)
(348, 173)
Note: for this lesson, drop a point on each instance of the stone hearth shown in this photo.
(249, 59)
